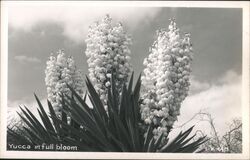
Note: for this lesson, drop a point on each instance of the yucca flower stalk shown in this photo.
(107, 52)
(60, 71)
(165, 78)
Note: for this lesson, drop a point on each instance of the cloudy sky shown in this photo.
(37, 31)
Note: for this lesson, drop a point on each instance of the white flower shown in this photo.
(107, 84)
(166, 78)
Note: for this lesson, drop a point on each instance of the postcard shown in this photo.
(125, 79)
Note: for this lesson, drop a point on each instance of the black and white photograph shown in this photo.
(121, 79)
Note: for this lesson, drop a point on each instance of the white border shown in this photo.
(90, 155)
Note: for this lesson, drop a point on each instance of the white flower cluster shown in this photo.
(107, 52)
(60, 71)
(166, 79)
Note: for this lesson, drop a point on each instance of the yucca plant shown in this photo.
(95, 129)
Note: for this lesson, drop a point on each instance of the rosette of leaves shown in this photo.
(96, 130)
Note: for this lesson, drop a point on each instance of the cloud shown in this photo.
(197, 86)
(222, 99)
(76, 18)
(26, 59)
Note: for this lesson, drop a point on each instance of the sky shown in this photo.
(37, 31)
